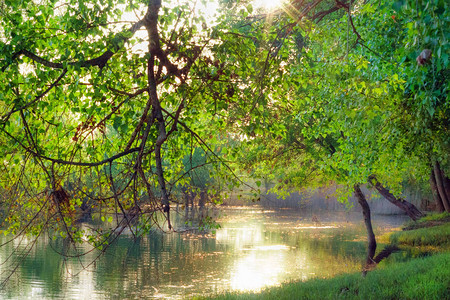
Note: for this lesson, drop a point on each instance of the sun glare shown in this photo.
(268, 4)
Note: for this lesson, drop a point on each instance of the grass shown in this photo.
(430, 236)
(435, 217)
(428, 221)
(423, 278)
(419, 278)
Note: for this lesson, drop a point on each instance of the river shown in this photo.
(253, 249)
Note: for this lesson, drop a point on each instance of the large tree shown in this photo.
(351, 100)
(100, 102)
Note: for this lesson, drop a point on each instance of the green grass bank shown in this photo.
(418, 278)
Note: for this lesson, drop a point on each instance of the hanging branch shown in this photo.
(72, 163)
(116, 198)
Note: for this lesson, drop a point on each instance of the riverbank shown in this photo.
(423, 277)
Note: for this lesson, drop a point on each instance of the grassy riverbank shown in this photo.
(419, 278)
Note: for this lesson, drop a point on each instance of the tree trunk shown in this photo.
(440, 186)
(446, 184)
(435, 192)
(411, 210)
(203, 198)
(367, 221)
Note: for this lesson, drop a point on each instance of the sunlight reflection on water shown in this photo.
(314, 227)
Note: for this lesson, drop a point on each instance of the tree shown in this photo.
(325, 104)
(350, 100)
(100, 109)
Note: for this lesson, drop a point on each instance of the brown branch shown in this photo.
(98, 61)
(116, 198)
(359, 39)
(72, 163)
(175, 120)
(154, 47)
(410, 209)
(151, 24)
(320, 15)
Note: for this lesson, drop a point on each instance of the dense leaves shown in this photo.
(357, 102)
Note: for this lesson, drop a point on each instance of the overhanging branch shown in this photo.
(73, 163)
(98, 61)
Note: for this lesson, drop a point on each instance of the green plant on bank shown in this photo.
(432, 236)
(429, 235)
(431, 219)
(435, 217)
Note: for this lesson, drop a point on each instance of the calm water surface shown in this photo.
(255, 248)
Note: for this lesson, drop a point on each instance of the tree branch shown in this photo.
(98, 61)
(410, 209)
(72, 163)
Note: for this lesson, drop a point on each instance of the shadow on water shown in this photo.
(254, 248)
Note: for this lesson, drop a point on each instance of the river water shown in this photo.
(253, 249)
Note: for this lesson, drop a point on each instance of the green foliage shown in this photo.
(79, 128)
(208, 224)
(343, 100)
(429, 220)
(198, 168)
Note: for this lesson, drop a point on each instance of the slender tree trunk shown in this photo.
(367, 221)
(411, 210)
(440, 186)
(446, 184)
(203, 198)
(435, 192)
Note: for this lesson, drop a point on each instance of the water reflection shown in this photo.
(253, 249)
(261, 266)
